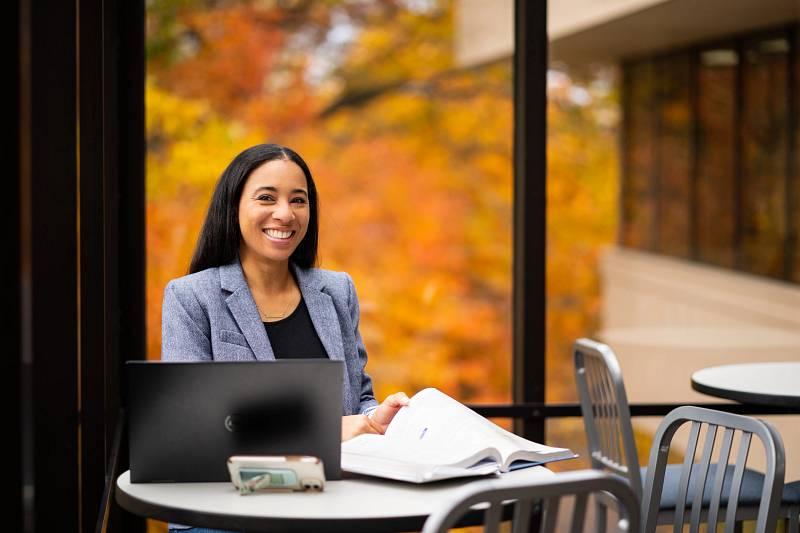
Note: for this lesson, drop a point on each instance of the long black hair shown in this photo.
(220, 237)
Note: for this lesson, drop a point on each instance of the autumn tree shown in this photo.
(412, 156)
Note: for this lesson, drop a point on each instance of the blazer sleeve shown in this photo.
(185, 329)
(367, 397)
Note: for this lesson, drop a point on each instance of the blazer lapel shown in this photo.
(244, 310)
(323, 314)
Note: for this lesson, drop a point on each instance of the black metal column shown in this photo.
(10, 326)
(49, 266)
(124, 223)
(530, 208)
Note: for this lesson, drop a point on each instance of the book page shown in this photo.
(393, 468)
(399, 450)
(436, 430)
(441, 421)
(433, 429)
(513, 443)
(434, 417)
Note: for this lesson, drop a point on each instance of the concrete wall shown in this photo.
(484, 31)
(583, 32)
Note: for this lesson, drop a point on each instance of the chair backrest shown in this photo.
(606, 414)
(497, 495)
(728, 472)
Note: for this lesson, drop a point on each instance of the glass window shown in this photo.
(411, 152)
(582, 211)
(638, 210)
(706, 156)
(764, 131)
(716, 157)
(795, 211)
(673, 157)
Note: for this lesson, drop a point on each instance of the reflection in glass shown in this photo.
(673, 154)
(764, 143)
(716, 173)
(794, 222)
(637, 208)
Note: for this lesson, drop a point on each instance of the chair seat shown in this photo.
(791, 493)
(750, 493)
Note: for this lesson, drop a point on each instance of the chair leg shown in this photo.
(793, 521)
(601, 517)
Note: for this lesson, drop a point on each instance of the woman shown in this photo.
(253, 292)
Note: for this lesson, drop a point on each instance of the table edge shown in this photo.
(746, 397)
(178, 515)
(384, 524)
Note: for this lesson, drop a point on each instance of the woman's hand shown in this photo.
(386, 411)
(377, 423)
(355, 425)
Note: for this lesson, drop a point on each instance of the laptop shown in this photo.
(187, 418)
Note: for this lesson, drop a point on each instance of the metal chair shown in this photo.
(714, 486)
(499, 494)
(612, 448)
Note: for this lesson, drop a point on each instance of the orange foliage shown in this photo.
(581, 221)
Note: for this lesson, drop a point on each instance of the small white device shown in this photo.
(251, 473)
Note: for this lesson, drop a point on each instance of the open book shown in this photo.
(436, 437)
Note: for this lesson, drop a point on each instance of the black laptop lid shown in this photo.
(187, 418)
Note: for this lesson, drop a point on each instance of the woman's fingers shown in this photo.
(355, 425)
(385, 412)
(398, 399)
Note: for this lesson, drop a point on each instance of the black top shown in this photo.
(294, 337)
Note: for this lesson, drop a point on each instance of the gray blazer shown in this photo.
(211, 315)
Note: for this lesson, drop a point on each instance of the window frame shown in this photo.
(76, 222)
(79, 286)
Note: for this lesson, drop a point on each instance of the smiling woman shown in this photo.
(253, 291)
(247, 195)
(273, 220)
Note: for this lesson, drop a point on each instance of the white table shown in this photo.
(351, 505)
(755, 383)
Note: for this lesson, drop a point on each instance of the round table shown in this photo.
(350, 505)
(755, 383)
